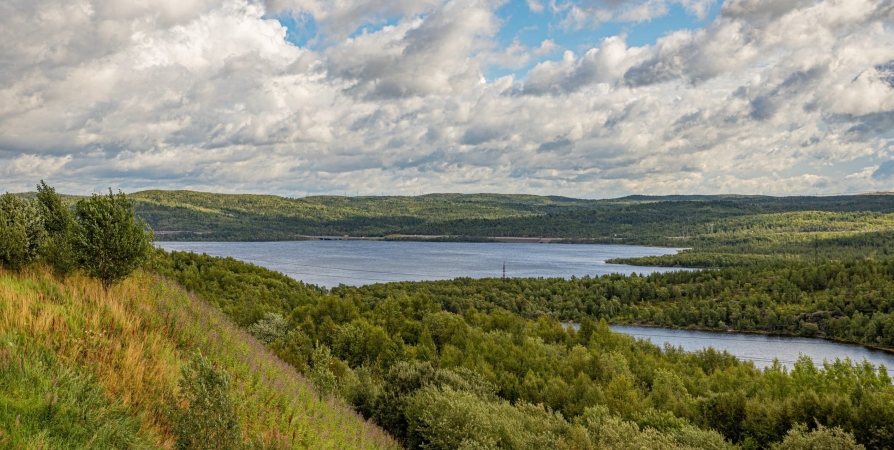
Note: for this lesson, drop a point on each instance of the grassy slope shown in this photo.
(81, 368)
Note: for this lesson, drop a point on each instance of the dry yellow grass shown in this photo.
(136, 337)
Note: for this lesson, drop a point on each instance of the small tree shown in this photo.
(321, 375)
(21, 231)
(271, 328)
(110, 241)
(203, 416)
(60, 227)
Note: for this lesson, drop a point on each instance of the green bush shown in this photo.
(271, 328)
(321, 373)
(110, 242)
(21, 231)
(822, 438)
(60, 227)
(203, 415)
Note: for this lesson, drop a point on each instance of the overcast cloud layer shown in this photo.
(771, 96)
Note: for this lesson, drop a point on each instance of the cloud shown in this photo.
(592, 13)
(434, 55)
(535, 6)
(599, 65)
(769, 97)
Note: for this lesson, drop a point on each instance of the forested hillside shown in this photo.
(487, 363)
(698, 221)
(204, 216)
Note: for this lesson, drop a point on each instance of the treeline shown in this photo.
(205, 216)
(845, 301)
(638, 220)
(488, 364)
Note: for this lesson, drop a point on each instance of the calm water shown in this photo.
(330, 263)
(761, 349)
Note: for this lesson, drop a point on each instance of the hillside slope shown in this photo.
(710, 223)
(84, 368)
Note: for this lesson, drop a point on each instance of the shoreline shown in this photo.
(886, 350)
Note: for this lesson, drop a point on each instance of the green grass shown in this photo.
(80, 364)
(46, 404)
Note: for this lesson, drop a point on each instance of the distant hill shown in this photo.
(188, 215)
(719, 228)
(83, 368)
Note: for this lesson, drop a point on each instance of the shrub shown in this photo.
(110, 241)
(21, 231)
(822, 438)
(271, 328)
(60, 227)
(203, 416)
(320, 373)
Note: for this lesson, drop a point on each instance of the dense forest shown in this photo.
(681, 221)
(488, 363)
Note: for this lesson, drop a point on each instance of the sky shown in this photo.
(583, 98)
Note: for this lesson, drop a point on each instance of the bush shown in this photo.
(321, 373)
(110, 242)
(798, 438)
(21, 231)
(203, 415)
(60, 227)
(271, 328)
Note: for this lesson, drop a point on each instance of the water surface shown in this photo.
(761, 349)
(330, 263)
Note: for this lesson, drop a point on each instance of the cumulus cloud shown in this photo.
(599, 65)
(775, 97)
(592, 13)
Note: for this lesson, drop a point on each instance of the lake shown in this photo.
(330, 263)
(761, 349)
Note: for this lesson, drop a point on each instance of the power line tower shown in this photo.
(504, 270)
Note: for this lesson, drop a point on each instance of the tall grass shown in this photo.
(131, 342)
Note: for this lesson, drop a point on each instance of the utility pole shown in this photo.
(504, 270)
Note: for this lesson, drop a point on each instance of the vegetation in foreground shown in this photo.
(482, 376)
(82, 367)
(101, 362)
